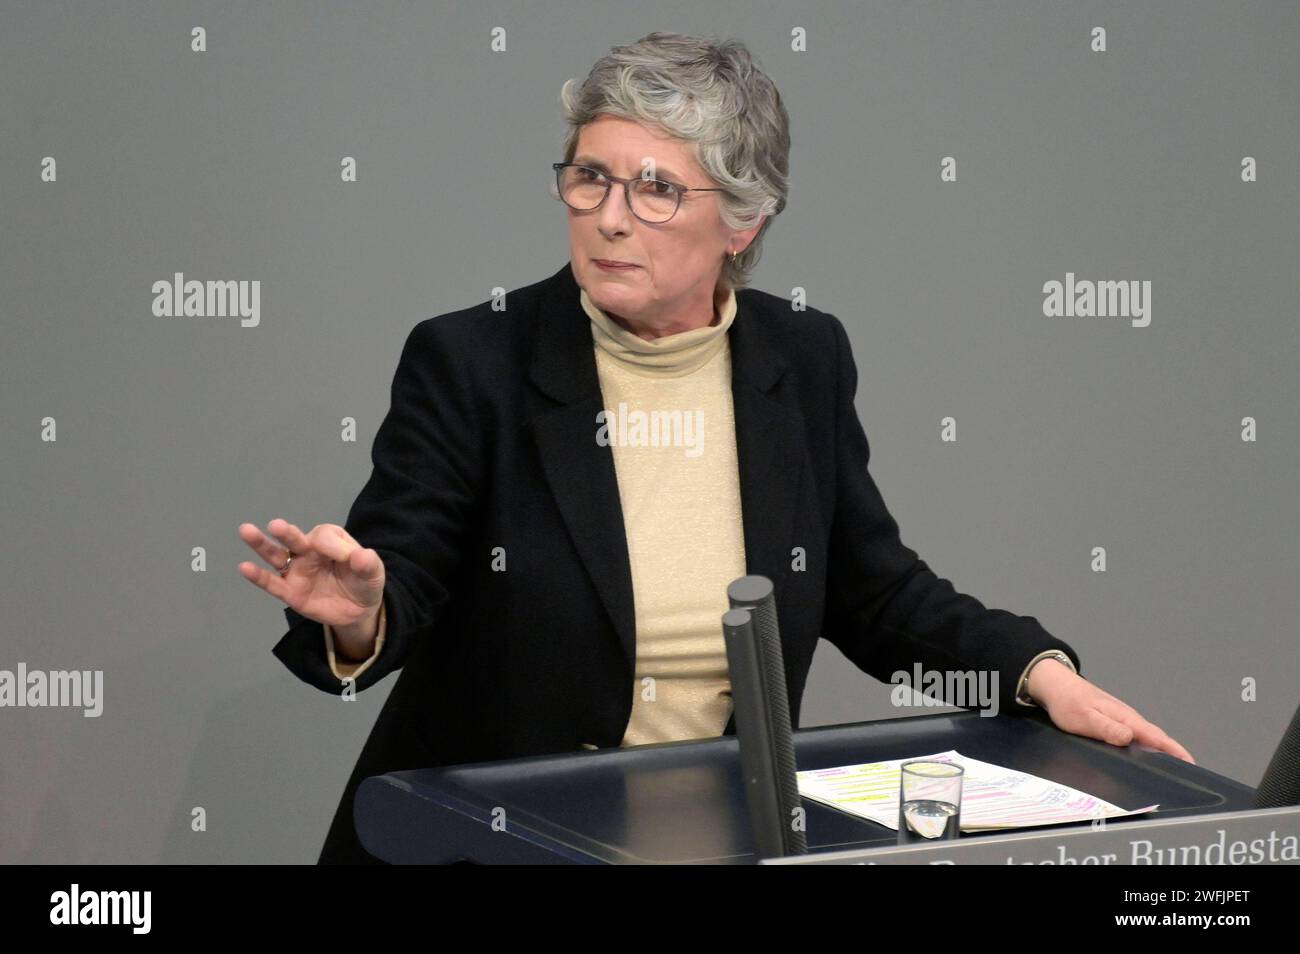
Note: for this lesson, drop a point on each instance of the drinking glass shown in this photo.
(929, 801)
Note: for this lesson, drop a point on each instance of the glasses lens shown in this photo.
(582, 188)
(654, 200)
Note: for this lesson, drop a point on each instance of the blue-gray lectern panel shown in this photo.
(683, 802)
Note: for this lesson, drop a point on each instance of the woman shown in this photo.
(545, 563)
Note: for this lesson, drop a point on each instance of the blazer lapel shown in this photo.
(580, 471)
(770, 448)
(581, 474)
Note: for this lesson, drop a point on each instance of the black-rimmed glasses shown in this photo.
(653, 201)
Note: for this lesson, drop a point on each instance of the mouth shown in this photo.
(613, 264)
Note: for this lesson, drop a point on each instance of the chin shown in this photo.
(606, 297)
(609, 298)
(612, 285)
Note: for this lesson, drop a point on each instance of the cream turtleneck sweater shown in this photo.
(671, 428)
(679, 486)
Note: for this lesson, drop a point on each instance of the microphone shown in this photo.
(757, 674)
(1281, 782)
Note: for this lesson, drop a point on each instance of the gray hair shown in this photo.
(705, 92)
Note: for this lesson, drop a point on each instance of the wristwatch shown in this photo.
(1022, 687)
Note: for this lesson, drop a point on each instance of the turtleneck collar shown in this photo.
(670, 356)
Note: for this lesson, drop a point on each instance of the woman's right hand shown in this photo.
(332, 579)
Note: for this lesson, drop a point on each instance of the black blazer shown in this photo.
(490, 442)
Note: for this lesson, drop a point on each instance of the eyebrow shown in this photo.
(663, 173)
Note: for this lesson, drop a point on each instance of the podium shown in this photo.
(683, 802)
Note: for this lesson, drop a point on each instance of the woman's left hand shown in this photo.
(1078, 706)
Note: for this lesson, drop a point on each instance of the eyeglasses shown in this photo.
(653, 201)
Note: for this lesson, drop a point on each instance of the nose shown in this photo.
(615, 216)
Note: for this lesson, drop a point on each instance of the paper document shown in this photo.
(993, 797)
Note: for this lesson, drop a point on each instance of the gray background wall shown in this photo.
(225, 165)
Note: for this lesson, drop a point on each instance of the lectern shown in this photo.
(684, 802)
